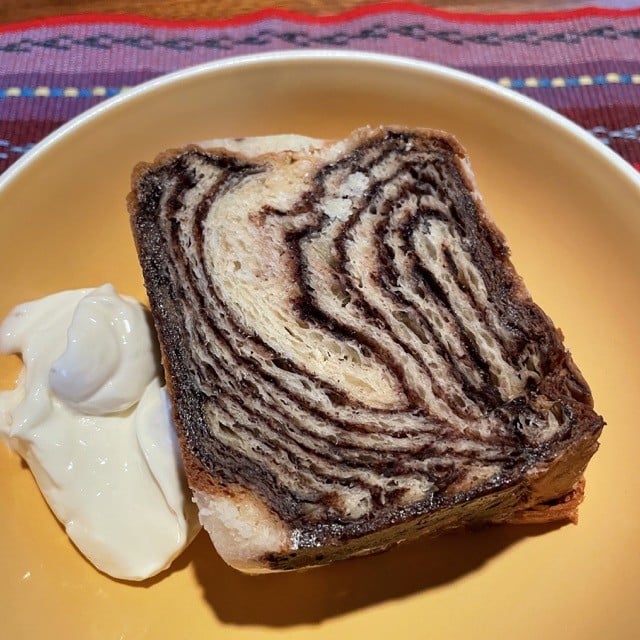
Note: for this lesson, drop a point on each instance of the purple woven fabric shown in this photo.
(586, 64)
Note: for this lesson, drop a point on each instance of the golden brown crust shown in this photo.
(563, 509)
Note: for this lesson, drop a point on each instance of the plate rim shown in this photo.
(464, 78)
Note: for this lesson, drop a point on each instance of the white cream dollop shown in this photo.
(108, 361)
(90, 417)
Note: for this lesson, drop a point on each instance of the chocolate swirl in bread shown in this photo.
(352, 359)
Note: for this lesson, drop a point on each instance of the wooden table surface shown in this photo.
(16, 10)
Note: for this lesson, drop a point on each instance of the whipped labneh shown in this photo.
(92, 420)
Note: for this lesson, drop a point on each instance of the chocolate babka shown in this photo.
(352, 359)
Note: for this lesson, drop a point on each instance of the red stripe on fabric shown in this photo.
(303, 18)
(636, 165)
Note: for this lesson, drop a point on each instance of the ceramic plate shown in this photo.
(570, 209)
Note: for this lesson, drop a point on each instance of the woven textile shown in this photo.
(585, 64)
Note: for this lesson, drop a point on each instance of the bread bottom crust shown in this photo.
(561, 509)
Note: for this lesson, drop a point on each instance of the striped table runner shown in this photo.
(584, 64)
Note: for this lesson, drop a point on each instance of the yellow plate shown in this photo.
(571, 211)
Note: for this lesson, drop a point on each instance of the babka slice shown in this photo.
(352, 358)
